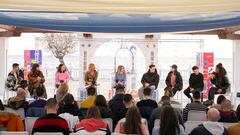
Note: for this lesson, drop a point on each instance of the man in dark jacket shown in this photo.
(195, 82)
(117, 106)
(147, 105)
(149, 79)
(173, 81)
(212, 126)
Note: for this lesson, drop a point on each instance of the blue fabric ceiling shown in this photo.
(119, 23)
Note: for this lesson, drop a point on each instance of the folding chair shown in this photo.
(195, 115)
(29, 122)
(13, 133)
(20, 111)
(109, 121)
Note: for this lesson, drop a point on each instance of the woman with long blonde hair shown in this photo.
(120, 77)
(91, 75)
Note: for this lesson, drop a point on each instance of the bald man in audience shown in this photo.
(211, 126)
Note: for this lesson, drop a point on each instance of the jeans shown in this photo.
(212, 92)
(188, 91)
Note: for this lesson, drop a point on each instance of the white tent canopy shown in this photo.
(124, 6)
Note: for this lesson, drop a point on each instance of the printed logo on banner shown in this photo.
(31, 57)
(207, 65)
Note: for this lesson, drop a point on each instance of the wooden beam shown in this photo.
(10, 34)
(229, 36)
(232, 29)
(7, 27)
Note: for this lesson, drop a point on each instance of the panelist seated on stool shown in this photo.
(195, 82)
(173, 81)
(149, 79)
(220, 81)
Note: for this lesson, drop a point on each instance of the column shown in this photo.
(3, 62)
(235, 86)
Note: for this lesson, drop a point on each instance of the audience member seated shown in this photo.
(93, 123)
(102, 105)
(128, 101)
(169, 123)
(51, 122)
(220, 99)
(116, 105)
(146, 105)
(234, 129)
(18, 101)
(70, 106)
(41, 101)
(89, 102)
(226, 113)
(156, 114)
(36, 108)
(195, 105)
(211, 126)
(62, 91)
(132, 123)
(173, 102)
(10, 122)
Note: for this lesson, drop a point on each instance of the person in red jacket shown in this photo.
(92, 123)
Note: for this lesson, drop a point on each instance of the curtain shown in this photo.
(124, 6)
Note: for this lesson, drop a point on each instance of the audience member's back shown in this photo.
(156, 113)
(89, 102)
(18, 101)
(70, 106)
(41, 101)
(226, 112)
(132, 123)
(195, 105)
(102, 105)
(169, 123)
(116, 105)
(93, 123)
(51, 122)
(146, 105)
(211, 126)
(220, 99)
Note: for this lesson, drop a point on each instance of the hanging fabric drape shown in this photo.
(124, 6)
(120, 23)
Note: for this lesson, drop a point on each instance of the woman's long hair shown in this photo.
(221, 71)
(59, 69)
(34, 69)
(93, 112)
(132, 125)
(101, 101)
(120, 68)
(69, 100)
(169, 121)
(91, 68)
